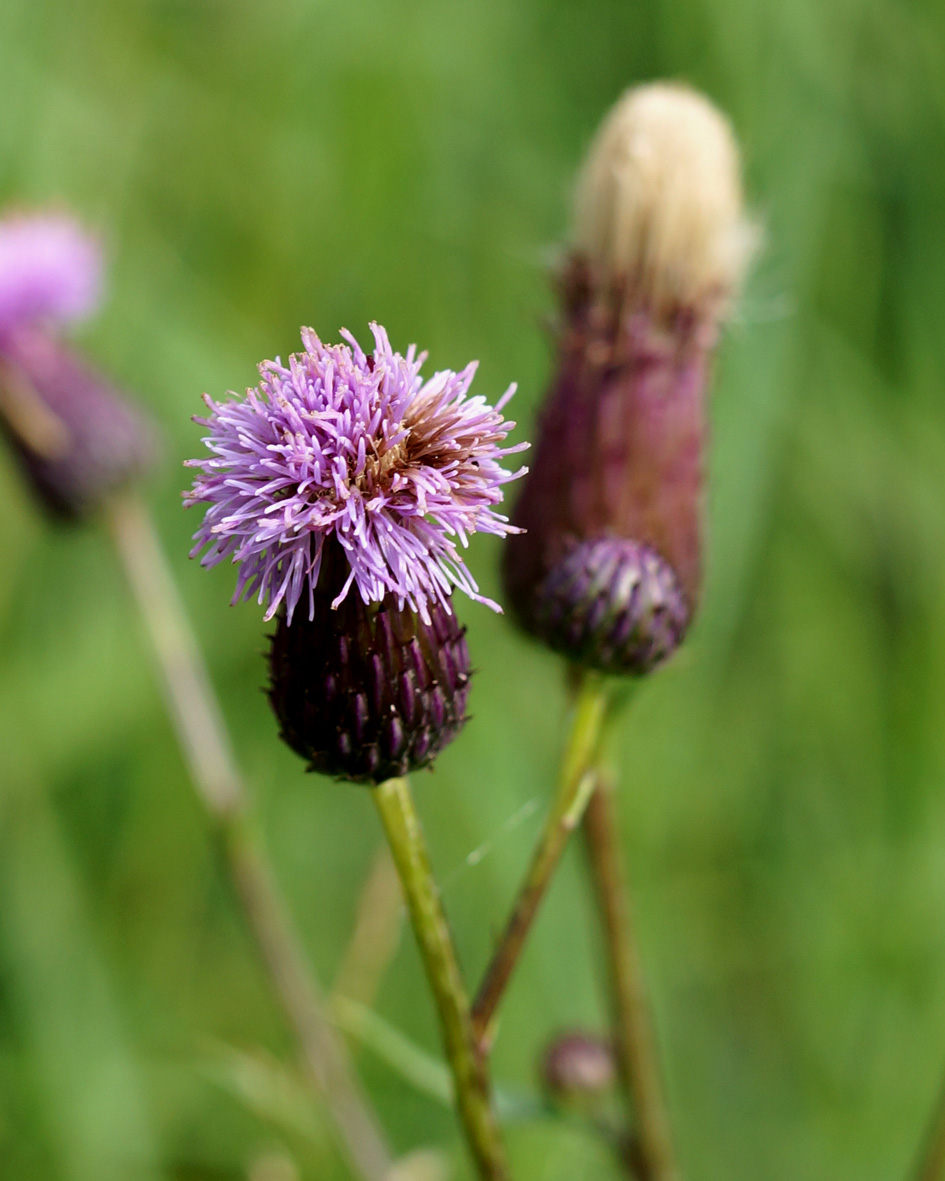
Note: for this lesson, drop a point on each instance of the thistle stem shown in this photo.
(931, 1162)
(470, 1074)
(637, 1058)
(201, 732)
(575, 786)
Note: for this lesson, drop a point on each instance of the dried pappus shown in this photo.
(659, 208)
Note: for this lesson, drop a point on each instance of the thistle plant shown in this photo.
(607, 568)
(342, 484)
(342, 487)
(345, 487)
(82, 446)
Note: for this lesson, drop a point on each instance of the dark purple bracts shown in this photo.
(613, 605)
(367, 691)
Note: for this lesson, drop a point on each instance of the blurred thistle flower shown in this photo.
(50, 270)
(76, 438)
(344, 482)
(608, 568)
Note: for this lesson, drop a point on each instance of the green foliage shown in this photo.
(254, 166)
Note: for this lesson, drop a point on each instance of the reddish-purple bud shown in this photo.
(615, 489)
(578, 1065)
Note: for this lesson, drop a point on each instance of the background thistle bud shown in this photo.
(578, 1065)
(615, 490)
(368, 691)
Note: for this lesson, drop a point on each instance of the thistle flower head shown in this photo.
(659, 201)
(341, 447)
(50, 270)
(608, 570)
(612, 604)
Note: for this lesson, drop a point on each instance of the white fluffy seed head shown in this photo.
(659, 201)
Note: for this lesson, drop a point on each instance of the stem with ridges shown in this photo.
(201, 732)
(637, 1058)
(470, 1075)
(574, 789)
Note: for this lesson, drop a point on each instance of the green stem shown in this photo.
(201, 733)
(473, 1093)
(653, 1158)
(574, 790)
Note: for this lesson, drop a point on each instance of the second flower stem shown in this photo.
(470, 1076)
(575, 786)
(637, 1058)
(202, 735)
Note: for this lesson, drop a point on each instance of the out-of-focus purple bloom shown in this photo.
(76, 437)
(50, 270)
(341, 448)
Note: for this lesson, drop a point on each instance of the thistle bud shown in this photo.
(612, 604)
(608, 567)
(76, 438)
(578, 1066)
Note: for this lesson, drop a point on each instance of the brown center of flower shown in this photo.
(379, 466)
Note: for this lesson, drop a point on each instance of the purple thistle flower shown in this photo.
(50, 269)
(357, 451)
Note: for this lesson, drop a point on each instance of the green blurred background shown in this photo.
(256, 166)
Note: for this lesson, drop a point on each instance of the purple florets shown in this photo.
(341, 447)
(50, 269)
